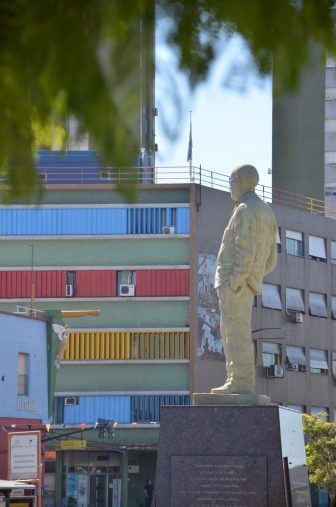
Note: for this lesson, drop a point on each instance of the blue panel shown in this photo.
(62, 221)
(91, 221)
(91, 408)
(151, 220)
(182, 220)
(146, 409)
(80, 167)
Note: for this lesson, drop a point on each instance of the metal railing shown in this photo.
(70, 175)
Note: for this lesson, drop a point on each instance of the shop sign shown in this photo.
(133, 469)
(24, 455)
(73, 444)
(17, 492)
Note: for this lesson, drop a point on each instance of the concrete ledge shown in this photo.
(230, 399)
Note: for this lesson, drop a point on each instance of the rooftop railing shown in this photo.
(70, 175)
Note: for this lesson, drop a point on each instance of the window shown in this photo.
(270, 296)
(318, 361)
(23, 367)
(271, 354)
(333, 363)
(318, 304)
(294, 300)
(321, 411)
(317, 249)
(70, 289)
(296, 359)
(333, 307)
(294, 243)
(333, 252)
(105, 175)
(298, 408)
(278, 240)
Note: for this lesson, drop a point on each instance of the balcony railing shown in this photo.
(69, 175)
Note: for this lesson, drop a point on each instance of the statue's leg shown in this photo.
(236, 310)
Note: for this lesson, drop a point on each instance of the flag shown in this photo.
(190, 146)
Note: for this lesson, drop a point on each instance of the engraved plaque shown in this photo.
(227, 481)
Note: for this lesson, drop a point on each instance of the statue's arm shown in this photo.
(244, 238)
(272, 259)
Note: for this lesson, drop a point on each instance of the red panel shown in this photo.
(97, 283)
(162, 282)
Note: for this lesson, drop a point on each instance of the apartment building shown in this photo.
(149, 268)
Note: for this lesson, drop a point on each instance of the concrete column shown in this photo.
(124, 479)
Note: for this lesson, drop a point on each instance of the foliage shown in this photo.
(321, 452)
(61, 58)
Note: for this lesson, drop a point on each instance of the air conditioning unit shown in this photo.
(69, 291)
(297, 317)
(275, 370)
(168, 229)
(73, 400)
(126, 290)
(294, 366)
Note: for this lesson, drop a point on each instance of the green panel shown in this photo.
(120, 313)
(122, 377)
(123, 436)
(108, 196)
(95, 252)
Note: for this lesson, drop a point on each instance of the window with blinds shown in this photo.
(317, 249)
(270, 296)
(318, 361)
(294, 300)
(318, 304)
(296, 358)
(271, 354)
(294, 243)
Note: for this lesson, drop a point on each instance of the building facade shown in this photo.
(149, 268)
(23, 377)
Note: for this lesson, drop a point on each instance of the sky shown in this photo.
(231, 125)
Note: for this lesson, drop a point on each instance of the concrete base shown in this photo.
(231, 456)
(230, 399)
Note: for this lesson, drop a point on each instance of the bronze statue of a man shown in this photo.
(246, 255)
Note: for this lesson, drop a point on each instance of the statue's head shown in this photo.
(243, 179)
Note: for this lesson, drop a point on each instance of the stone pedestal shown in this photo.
(231, 456)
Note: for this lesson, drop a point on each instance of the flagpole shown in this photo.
(191, 175)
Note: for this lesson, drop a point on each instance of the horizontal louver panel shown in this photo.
(162, 282)
(91, 221)
(95, 345)
(122, 409)
(92, 283)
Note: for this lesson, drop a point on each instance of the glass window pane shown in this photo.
(294, 299)
(318, 304)
(270, 296)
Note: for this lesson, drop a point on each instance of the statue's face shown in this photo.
(235, 186)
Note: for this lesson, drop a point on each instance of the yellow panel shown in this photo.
(124, 345)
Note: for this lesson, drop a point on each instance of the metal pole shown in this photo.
(33, 288)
